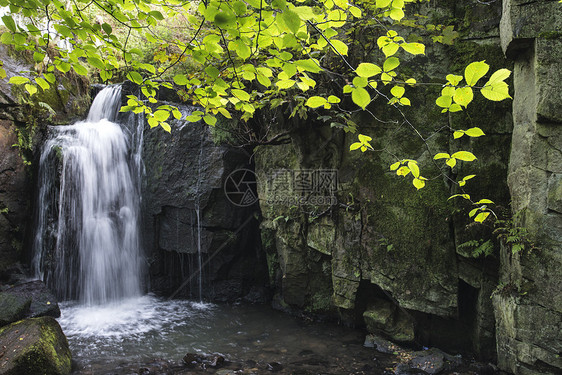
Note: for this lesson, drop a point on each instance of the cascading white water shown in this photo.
(87, 241)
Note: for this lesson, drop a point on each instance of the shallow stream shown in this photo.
(147, 334)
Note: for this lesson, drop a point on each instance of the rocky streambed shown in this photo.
(153, 336)
(149, 335)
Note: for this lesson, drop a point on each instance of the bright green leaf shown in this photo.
(413, 48)
(464, 156)
(481, 217)
(418, 183)
(474, 132)
(367, 70)
(181, 79)
(361, 97)
(390, 64)
(315, 102)
(18, 80)
(475, 71)
(463, 96)
(340, 46)
(496, 92)
(31, 89)
(398, 91)
(441, 155)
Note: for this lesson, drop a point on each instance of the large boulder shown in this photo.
(43, 301)
(34, 346)
(13, 308)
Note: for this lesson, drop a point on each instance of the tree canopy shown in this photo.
(237, 57)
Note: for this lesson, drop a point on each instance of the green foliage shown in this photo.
(478, 248)
(235, 58)
(515, 237)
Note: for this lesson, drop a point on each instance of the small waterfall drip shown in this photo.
(87, 243)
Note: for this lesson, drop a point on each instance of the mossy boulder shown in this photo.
(13, 308)
(387, 318)
(43, 301)
(34, 346)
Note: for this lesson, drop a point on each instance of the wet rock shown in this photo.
(43, 301)
(226, 372)
(404, 369)
(216, 361)
(380, 344)
(433, 361)
(34, 346)
(274, 366)
(13, 308)
(191, 359)
(385, 317)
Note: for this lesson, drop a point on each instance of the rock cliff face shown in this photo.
(193, 233)
(398, 260)
(529, 311)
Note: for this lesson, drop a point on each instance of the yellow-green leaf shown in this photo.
(474, 132)
(398, 91)
(292, 20)
(333, 99)
(499, 75)
(241, 94)
(361, 97)
(315, 102)
(390, 64)
(210, 119)
(166, 127)
(441, 155)
(418, 183)
(285, 83)
(340, 46)
(463, 96)
(444, 101)
(367, 70)
(481, 217)
(458, 133)
(475, 71)
(414, 168)
(42, 83)
(496, 92)
(464, 156)
(484, 201)
(18, 80)
(413, 48)
(181, 79)
(355, 146)
(31, 89)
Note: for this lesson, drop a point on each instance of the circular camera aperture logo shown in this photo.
(240, 188)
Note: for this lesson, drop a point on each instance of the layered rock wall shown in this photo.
(528, 307)
(398, 260)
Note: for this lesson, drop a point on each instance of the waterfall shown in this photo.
(87, 245)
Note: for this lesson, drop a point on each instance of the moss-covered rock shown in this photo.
(13, 308)
(386, 318)
(34, 346)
